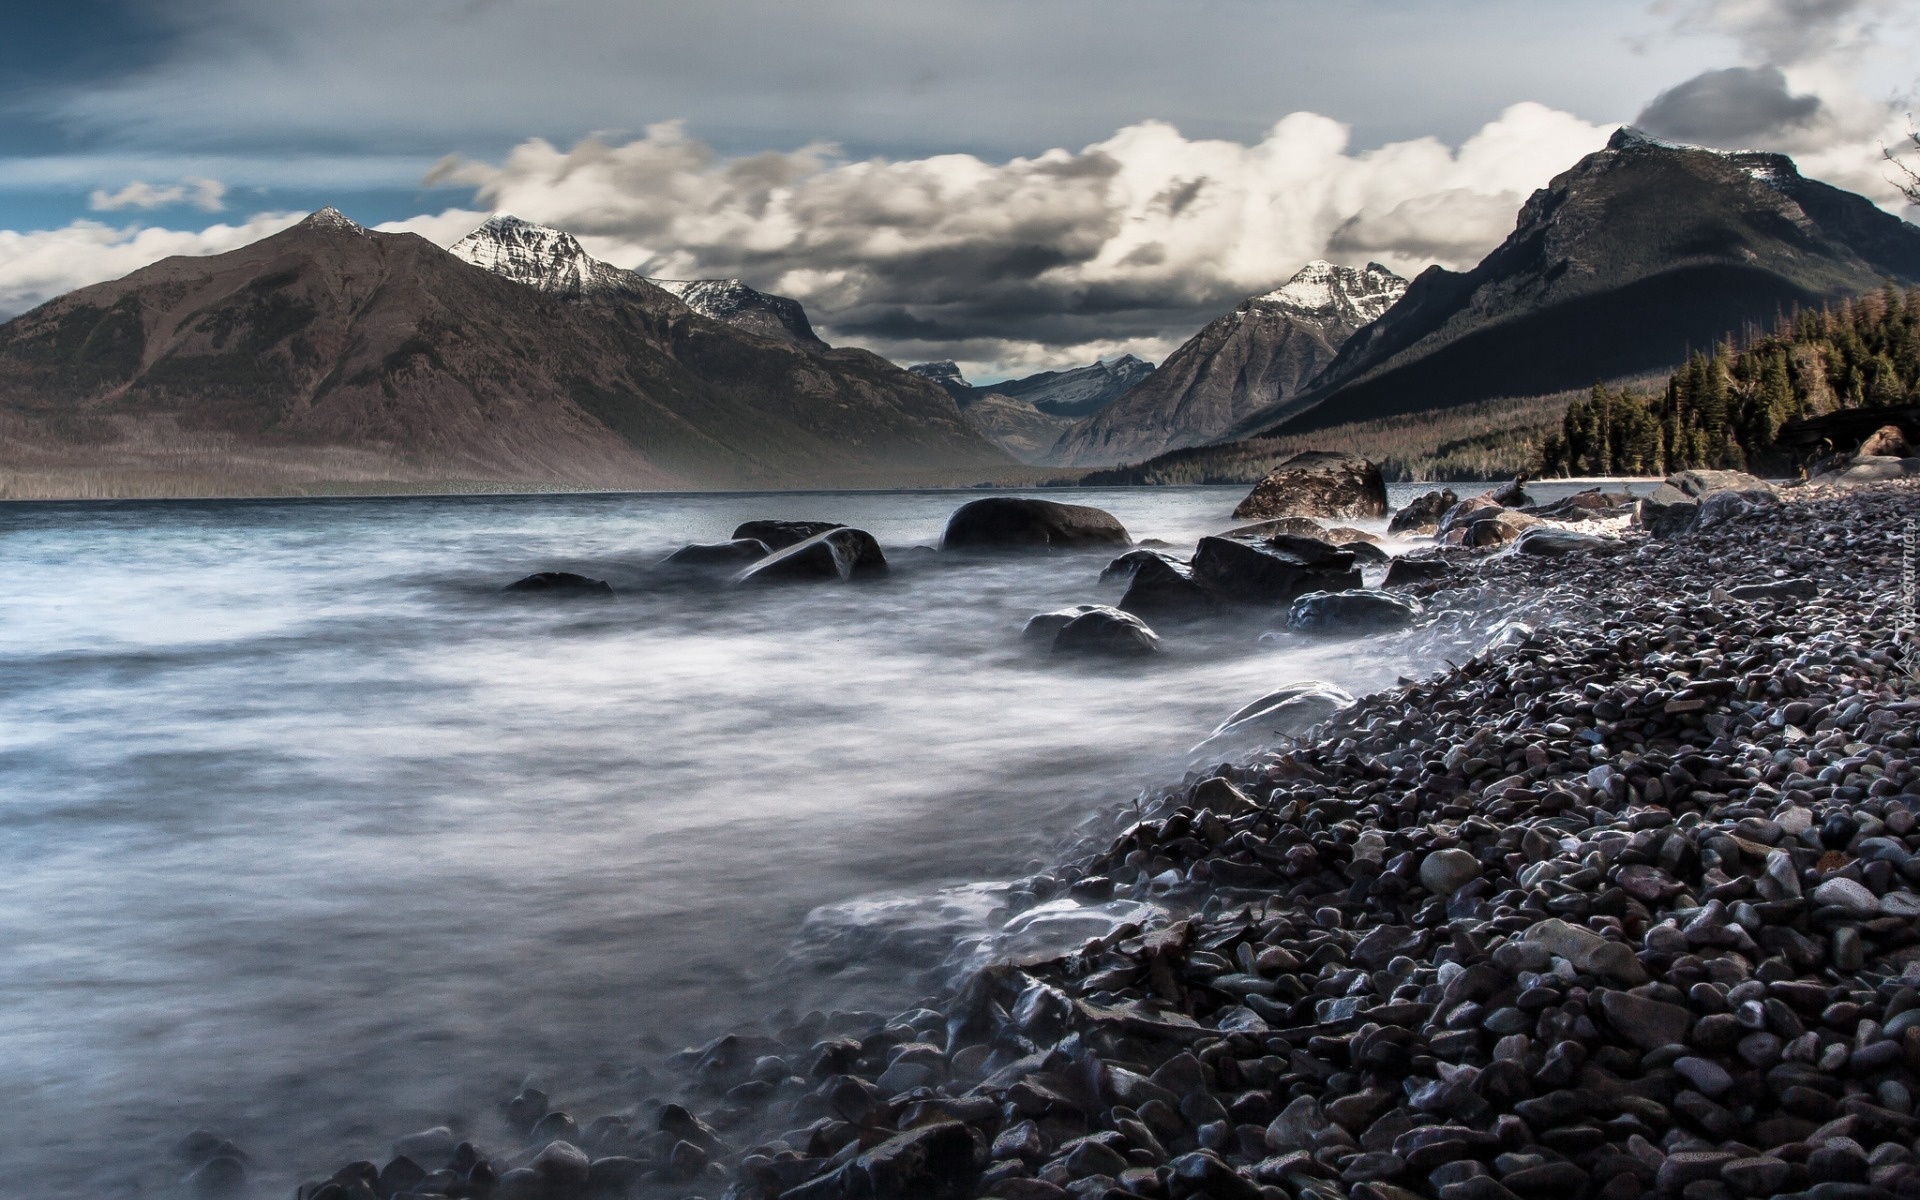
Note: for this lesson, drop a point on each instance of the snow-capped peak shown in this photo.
(945, 371)
(1326, 290)
(551, 260)
(332, 218)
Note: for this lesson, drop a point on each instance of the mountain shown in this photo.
(1073, 393)
(1249, 361)
(554, 261)
(1638, 254)
(1026, 416)
(330, 353)
(742, 307)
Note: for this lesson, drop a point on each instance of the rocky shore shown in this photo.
(1627, 903)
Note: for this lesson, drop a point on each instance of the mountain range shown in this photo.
(329, 352)
(1027, 416)
(1252, 360)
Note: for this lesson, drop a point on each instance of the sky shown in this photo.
(1015, 184)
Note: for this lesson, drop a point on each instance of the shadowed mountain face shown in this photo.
(742, 307)
(1622, 265)
(330, 352)
(1251, 360)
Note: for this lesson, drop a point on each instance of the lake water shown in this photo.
(310, 835)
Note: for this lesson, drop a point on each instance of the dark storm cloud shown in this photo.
(1728, 108)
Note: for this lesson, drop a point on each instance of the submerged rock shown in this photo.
(1271, 572)
(1318, 483)
(1552, 541)
(1164, 587)
(841, 553)
(560, 583)
(1128, 565)
(1015, 522)
(1043, 626)
(1286, 712)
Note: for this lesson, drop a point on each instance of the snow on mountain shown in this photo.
(1350, 295)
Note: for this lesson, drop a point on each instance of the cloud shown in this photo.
(207, 195)
(1134, 240)
(37, 266)
(1788, 31)
(1728, 108)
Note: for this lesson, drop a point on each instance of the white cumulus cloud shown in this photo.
(207, 195)
(36, 266)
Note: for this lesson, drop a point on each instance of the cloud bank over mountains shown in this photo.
(1127, 243)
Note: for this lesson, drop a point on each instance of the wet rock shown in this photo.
(1106, 632)
(718, 554)
(1351, 611)
(1510, 495)
(1272, 572)
(838, 554)
(559, 583)
(778, 535)
(1720, 507)
(1318, 483)
(1407, 571)
(1785, 589)
(1015, 522)
(1042, 627)
(1422, 515)
(1668, 512)
(1128, 565)
(1285, 712)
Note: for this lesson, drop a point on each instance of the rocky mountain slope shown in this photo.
(742, 307)
(1637, 254)
(331, 352)
(1251, 360)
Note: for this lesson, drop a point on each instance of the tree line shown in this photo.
(1725, 407)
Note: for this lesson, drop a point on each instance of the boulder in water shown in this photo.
(1351, 611)
(1274, 571)
(1293, 526)
(778, 535)
(1424, 513)
(718, 554)
(1015, 522)
(1510, 495)
(1128, 565)
(560, 583)
(1043, 626)
(1288, 712)
(1552, 541)
(1318, 483)
(1108, 632)
(1162, 587)
(843, 553)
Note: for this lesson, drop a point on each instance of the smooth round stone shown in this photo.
(1900, 904)
(1708, 1078)
(1445, 872)
(1846, 894)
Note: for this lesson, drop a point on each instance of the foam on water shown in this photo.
(309, 835)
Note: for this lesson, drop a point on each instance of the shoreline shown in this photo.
(1454, 946)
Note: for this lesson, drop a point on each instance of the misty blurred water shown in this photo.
(310, 835)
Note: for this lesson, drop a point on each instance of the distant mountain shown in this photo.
(1026, 416)
(742, 307)
(331, 353)
(554, 261)
(1636, 255)
(1249, 361)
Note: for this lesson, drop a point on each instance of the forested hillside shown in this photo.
(1725, 407)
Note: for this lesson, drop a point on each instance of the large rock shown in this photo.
(1290, 711)
(1591, 504)
(560, 583)
(1866, 469)
(1721, 507)
(1108, 632)
(1472, 508)
(1318, 483)
(1668, 512)
(718, 554)
(1888, 441)
(1274, 571)
(1351, 611)
(1162, 587)
(1489, 526)
(1510, 495)
(1128, 565)
(1405, 572)
(778, 535)
(842, 553)
(1424, 513)
(1015, 522)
